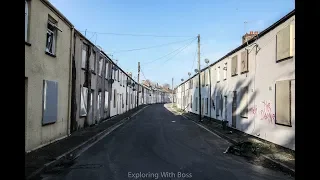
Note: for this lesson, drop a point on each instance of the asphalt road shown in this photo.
(155, 143)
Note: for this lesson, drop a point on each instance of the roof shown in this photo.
(55, 10)
(262, 33)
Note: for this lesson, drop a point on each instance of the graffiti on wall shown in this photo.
(266, 113)
(253, 110)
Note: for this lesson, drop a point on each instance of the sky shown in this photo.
(173, 26)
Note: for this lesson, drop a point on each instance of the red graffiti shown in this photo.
(266, 113)
(253, 110)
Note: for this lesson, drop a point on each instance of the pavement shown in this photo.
(160, 144)
(36, 161)
(271, 155)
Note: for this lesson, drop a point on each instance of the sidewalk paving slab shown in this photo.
(39, 157)
(278, 156)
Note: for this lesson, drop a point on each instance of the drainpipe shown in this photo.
(70, 82)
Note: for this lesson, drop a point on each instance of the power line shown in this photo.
(178, 51)
(166, 54)
(120, 34)
(149, 47)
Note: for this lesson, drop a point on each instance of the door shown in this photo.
(234, 108)
(121, 104)
(225, 108)
(118, 103)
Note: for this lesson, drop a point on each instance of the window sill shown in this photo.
(283, 124)
(50, 54)
(234, 75)
(47, 124)
(244, 72)
(283, 59)
(93, 72)
(26, 43)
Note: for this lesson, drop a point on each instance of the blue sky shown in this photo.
(220, 24)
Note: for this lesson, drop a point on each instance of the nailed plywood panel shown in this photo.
(106, 101)
(234, 65)
(244, 61)
(283, 103)
(83, 101)
(284, 43)
(50, 102)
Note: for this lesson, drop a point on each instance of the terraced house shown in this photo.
(252, 87)
(48, 40)
(70, 83)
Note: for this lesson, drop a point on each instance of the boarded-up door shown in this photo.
(234, 108)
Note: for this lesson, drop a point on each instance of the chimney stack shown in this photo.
(248, 36)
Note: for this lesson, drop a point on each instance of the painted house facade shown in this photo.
(48, 47)
(252, 87)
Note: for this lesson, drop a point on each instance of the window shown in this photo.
(234, 66)
(191, 83)
(100, 66)
(84, 56)
(120, 78)
(244, 61)
(218, 74)
(114, 97)
(122, 101)
(244, 103)
(106, 101)
(208, 77)
(131, 98)
(107, 70)
(225, 71)
(191, 101)
(285, 43)
(114, 73)
(50, 102)
(196, 103)
(217, 105)
(93, 62)
(26, 20)
(202, 79)
(51, 36)
(83, 103)
(283, 103)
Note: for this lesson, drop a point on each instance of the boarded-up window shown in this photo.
(244, 61)
(50, 102)
(218, 74)
(234, 66)
(120, 78)
(84, 56)
(285, 43)
(127, 98)
(114, 98)
(93, 62)
(91, 99)
(244, 103)
(106, 100)
(83, 101)
(107, 70)
(99, 104)
(208, 77)
(191, 101)
(100, 67)
(283, 102)
(225, 71)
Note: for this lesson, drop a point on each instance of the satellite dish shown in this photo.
(182, 79)
(189, 73)
(206, 60)
(196, 70)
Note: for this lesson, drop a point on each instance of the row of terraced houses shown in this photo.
(70, 83)
(252, 87)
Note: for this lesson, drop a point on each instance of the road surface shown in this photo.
(157, 144)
